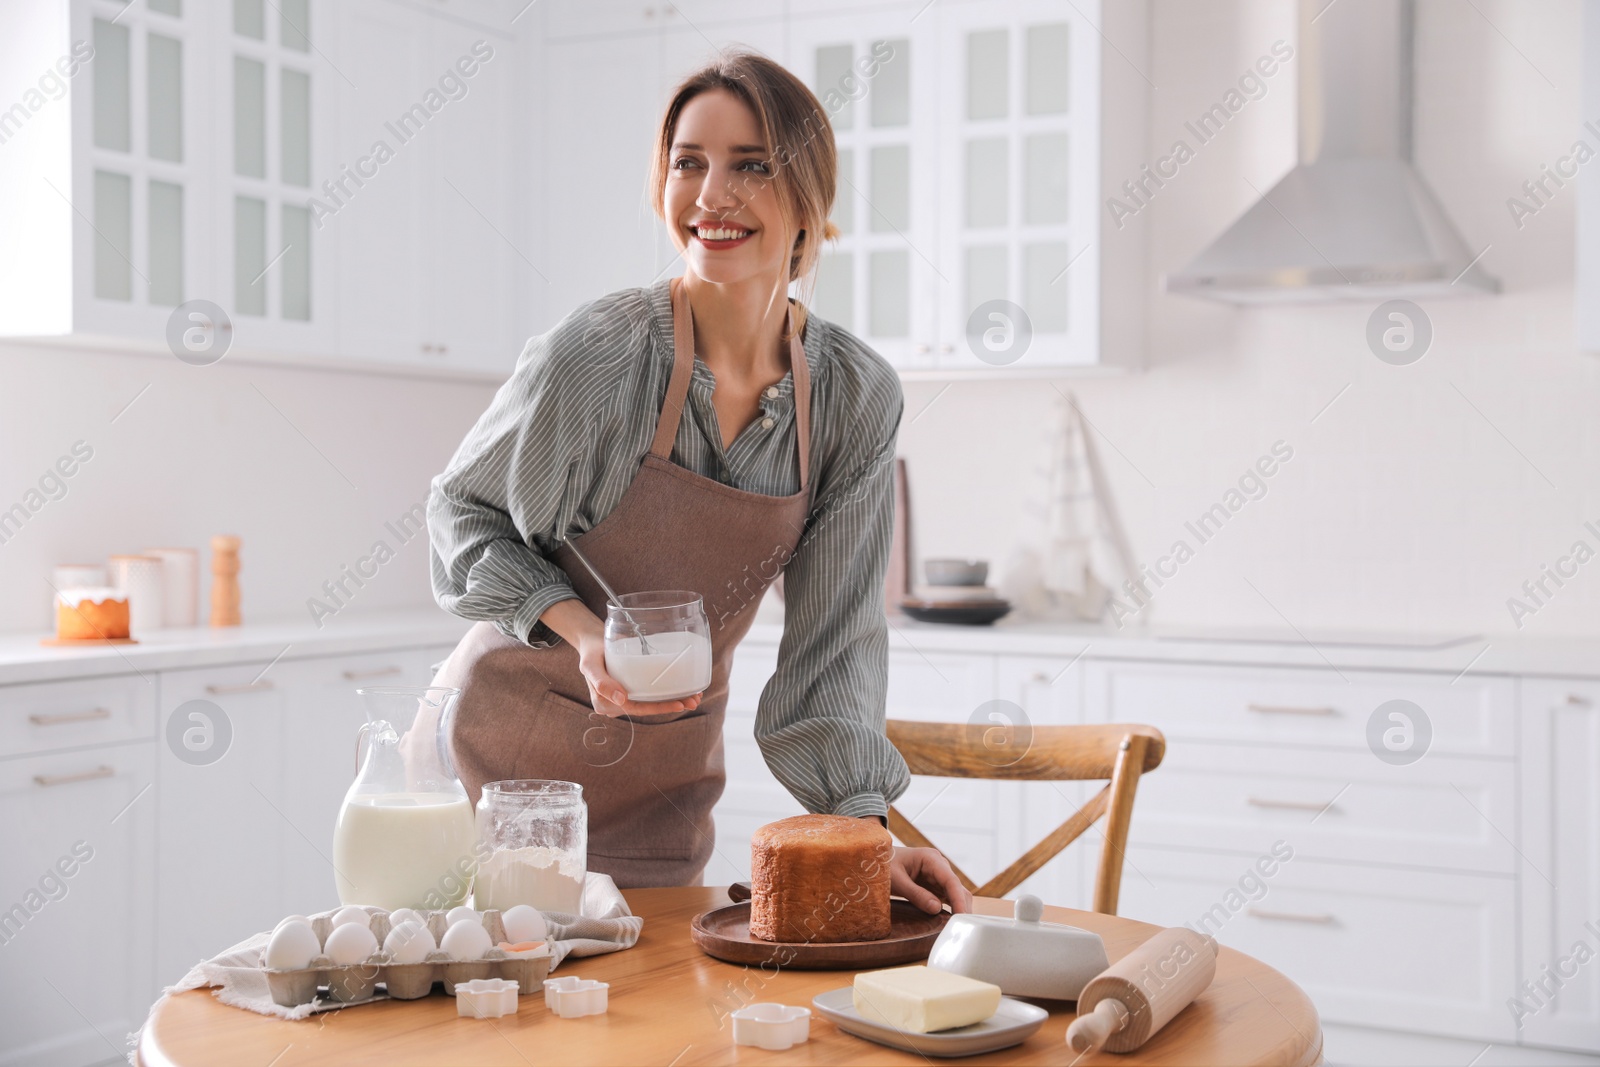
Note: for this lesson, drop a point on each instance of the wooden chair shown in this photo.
(1119, 752)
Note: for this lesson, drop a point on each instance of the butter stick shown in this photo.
(921, 999)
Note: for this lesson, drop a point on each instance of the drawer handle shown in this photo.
(1577, 700)
(61, 719)
(381, 672)
(1291, 916)
(250, 687)
(1297, 805)
(101, 771)
(1289, 709)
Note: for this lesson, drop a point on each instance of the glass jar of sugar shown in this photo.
(658, 645)
(538, 834)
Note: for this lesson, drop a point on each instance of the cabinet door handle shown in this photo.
(1289, 709)
(62, 718)
(259, 686)
(1291, 916)
(101, 771)
(381, 672)
(1297, 805)
(1578, 700)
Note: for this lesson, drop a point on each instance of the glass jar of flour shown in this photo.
(538, 832)
(658, 645)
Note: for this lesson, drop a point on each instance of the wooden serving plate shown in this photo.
(724, 933)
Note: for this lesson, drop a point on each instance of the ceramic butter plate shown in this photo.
(1011, 1024)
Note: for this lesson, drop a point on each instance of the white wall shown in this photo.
(263, 452)
(1403, 508)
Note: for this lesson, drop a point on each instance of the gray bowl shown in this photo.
(956, 571)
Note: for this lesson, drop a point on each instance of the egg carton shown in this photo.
(358, 982)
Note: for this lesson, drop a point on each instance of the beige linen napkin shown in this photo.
(606, 925)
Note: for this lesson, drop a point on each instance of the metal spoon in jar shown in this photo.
(605, 587)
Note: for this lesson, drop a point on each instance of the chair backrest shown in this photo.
(1117, 752)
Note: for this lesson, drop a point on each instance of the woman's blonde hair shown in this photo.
(804, 162)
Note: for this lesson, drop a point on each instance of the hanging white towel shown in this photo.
(1071, 552)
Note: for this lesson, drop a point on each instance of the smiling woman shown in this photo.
(745, 160)
(688, 433)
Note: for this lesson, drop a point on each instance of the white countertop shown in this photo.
(1494, 654)
(23, 659)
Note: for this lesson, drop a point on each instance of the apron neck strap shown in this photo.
(683, 369)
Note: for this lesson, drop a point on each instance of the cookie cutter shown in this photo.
(774, 1027)
(486, 998)
(572, 997)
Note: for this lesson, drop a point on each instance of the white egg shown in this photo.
(350, 943)
(409, 942)
(291, 919)
(466, 941)
(406, 915)
(455, 915)
(524, 923)
(352, 913)
(293, 946)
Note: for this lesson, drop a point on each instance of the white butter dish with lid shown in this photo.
(1023, 955)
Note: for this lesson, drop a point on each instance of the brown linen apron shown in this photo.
(651, 782)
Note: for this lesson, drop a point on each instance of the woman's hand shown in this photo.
(608, 696)
(923, 876)
(579, 627)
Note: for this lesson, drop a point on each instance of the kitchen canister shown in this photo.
(141, 579)
(180, 581)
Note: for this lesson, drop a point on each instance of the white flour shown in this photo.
(549, 879)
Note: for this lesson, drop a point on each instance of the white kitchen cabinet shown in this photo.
(433, 247)
(876, 74)
(972, 157)
(1333, 805)
(107, 178)
(1468, 716)
(597, 215)
(1558, 1000)
(229, 152)
(270, 138)
(578, 18)
(222, 827)
(1408, 950)
(1019, 103)
(76, 830)
(1049, 690)
(48, 716)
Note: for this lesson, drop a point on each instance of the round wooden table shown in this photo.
(669, 1004)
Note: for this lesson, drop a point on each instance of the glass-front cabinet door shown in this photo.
(875, 74)
(140, 186)
(1019, 118)
(271, 84)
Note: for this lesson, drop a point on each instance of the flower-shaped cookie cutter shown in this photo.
(486, 998)
(774, 1027)
(572, 997)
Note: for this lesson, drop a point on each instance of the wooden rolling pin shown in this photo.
(1124, 1005)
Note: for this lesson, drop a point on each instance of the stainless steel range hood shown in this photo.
(1353, 220)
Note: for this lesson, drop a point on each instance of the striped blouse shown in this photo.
(563, 438)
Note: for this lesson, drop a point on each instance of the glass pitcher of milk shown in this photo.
(406, 836)
(658, 644)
